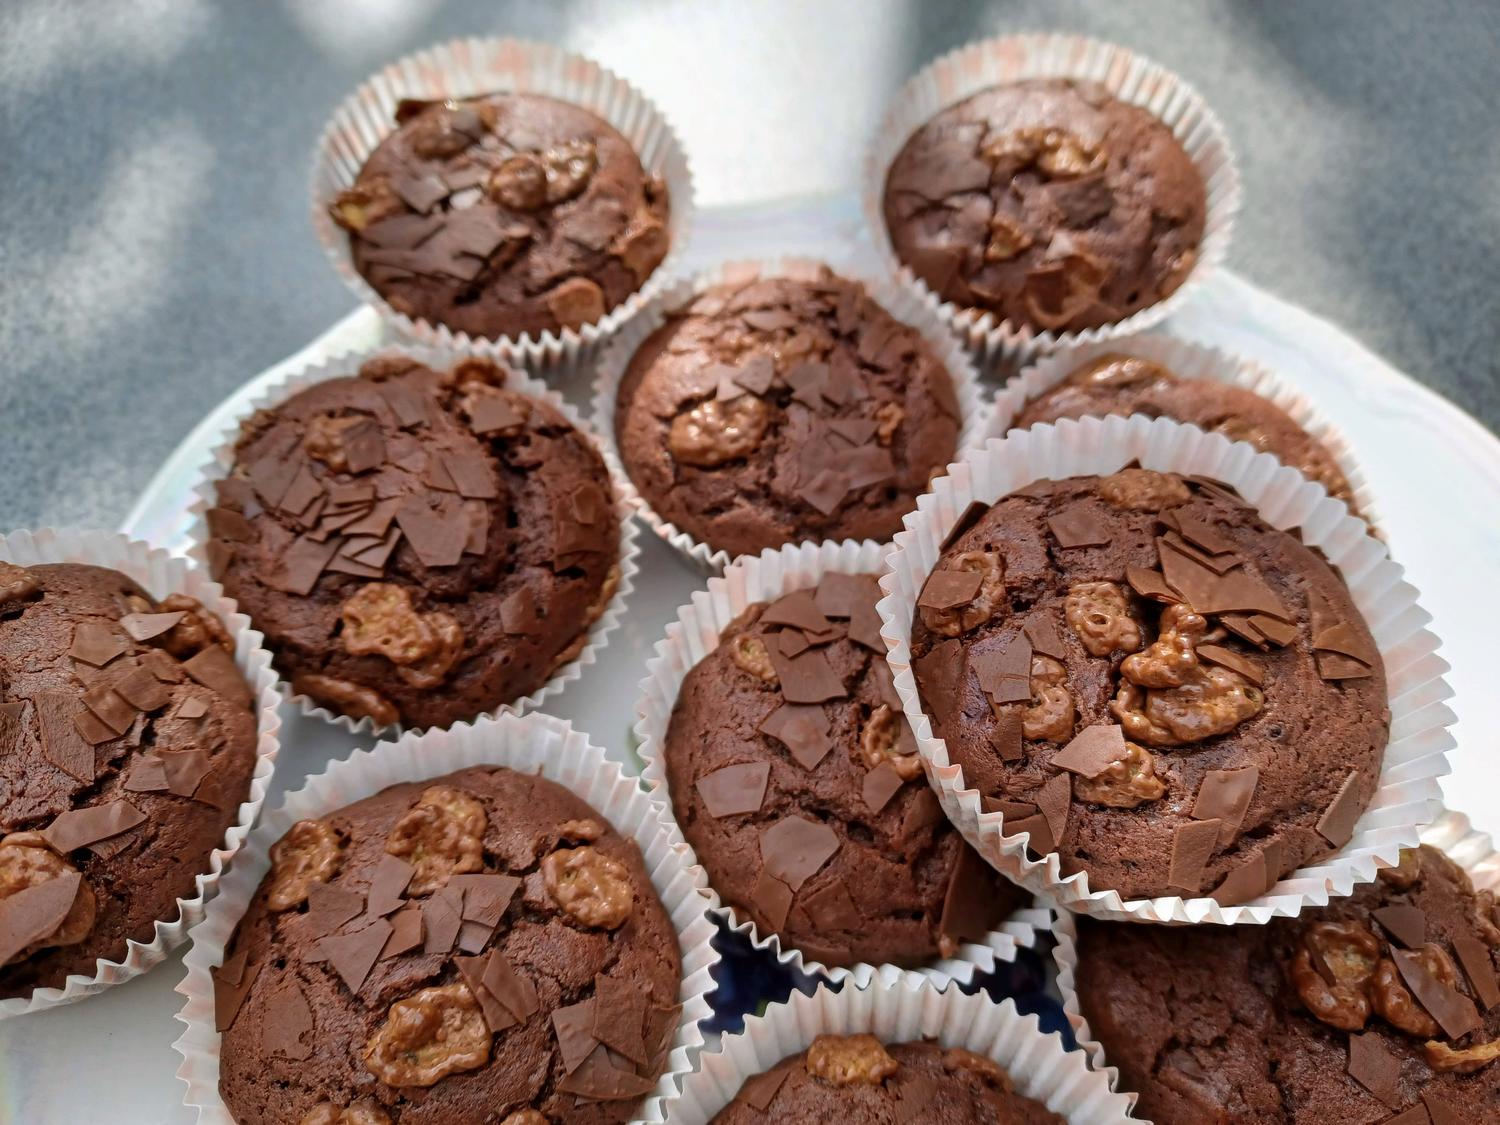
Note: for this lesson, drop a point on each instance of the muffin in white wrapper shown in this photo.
(533, 744)
(222, 460)
(160, 574)
(1188, 360)
(1407, 796)
(615, 359)
(1129, 77)
(1471, 849)
(752, 579)
(466, 68)
(898, 1007)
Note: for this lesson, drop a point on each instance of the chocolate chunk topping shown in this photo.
(620, 1017)
(486, 897)
(62, 745)
(1336, 825)
(793, 849)
(949, 589)
(802, 729)
(388, 884)
(1454, 1012)
(1478, 964)
(1055, 798)
(1228, 658)
(797, 609)
(215, 669)
(1225, 796)
(574, 1027)
(1008, 735)
(1192, 845)
(1247, 881)
(96, 644)
(442, 918)
(808, 678)
(1092, 750)
(739, 789)
(329, 907)
(354, 955)
(78, 828)
(287, 1021)
(1079, 526)
(406, 932)
(1407, 924)
(771, 898)
(1375, 1068)
(35, 913)
(232, 982)
(1004, 672)
(881, 784)
(759, 1091)
(1041, 630)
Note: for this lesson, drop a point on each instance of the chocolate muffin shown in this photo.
(858, 1080)
(504, 214)
(1382, 1007)
(797, 781)
(127, 742)
(479, 947)
(774, 410)
(1048, 203)
(1127, 384)
(417, 546)
(1175, 697)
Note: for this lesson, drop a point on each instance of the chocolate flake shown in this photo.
(1041, 630)
(1336, 825)
(1474, 955)
(797, 609)
(1375, 1068)
(518, 613)
(109, 708)
(1202, 534)
(78, 828)
(599, 1079)
(1281, 633)
(1004, 672)
(146, 774)
(1234, 661)
(620, 1017)
(193, 707)
(825, 491)
(1191, 580)
(387, 889)
(1246, 592)
(143, 691)
(215, 669)
(96, 644)
(802, 729)
(971, 515)
(471, 474)
(185, 770)
(808, 678)
(442, 918)
(497, 1016)
(1407, 924)
(771, 899)
(1344, 639)
(406, 932)
(354, 955)
(329, 907)
(1245, 882)
(1055, 798)
(968, 900)
(734, 790)
(864, 625)
(232, 981)
(1041, 840)
(1224, 795)
(841, 595)
(474, 936)
(1149, 584)
(1440, 1110)
(35, 913)
(148, 626)
(1092, 750)
(574, 1027)
(1336, 666)
(832, 909)
(949, 589)
(1192, 845)
(1079, 525)
(1008, 739)
(516, 992)
(759, 1091)
(300, 565)
(881, 784)
(922, 812)
(794, 849)
(1416, 1114)
(436, 534)
(1454, 1012)
(287, 1020)
(486, 897)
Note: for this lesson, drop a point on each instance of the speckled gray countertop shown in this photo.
(155, 248)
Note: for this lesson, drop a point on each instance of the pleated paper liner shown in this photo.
(615, 359)
(1472, 850)
(1131, 78)
(533, 744)
(749, 580)
(160, 574)
(1189, 361)
(439, 359)
(468, 67)
(1407, 797)
(899, 1007)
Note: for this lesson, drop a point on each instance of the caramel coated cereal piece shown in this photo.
(16, 584)
(1143, 490)
(311, 852)
(879, 738)
(27, 861)
(1100, 615)
(974, 613)
(363, 1112)
(750, 655)
(428, 1036)
(576, 302)
(1051, 713)
(442, 836)
(1126, 783)
(590, 887)
(1349, 953)
(843, 1060)
(714, 432)
(347, 698)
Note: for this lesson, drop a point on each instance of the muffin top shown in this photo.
(1172, 695)
(858, 1080)
(481, 946)
(504, 214)
(796, 779)
(773, 410)
(1127, 384)
(418, 547)
(1048, 203)
(1382, 1007)
(127, 741)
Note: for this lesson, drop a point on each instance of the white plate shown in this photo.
(1434, 470)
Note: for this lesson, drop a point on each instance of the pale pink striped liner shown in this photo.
(439, 359)
(615, 359)
(1471, 849)
(533, 744)
(1407, 797)
(1189, 361)
(1130, 77)
(899, 1007)
(749, 580)
(160, 574)
(468, 67)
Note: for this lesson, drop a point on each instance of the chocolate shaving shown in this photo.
(1149, 584)
(193, 707)
(1092, 750)
(148, 626)
(232, 982)
(1004, 672)
(797, 609)
(1336, 666)
(1234, 661)
(1439, 1109)
(354, 955)
(109, 708)
(287, 1020)
(968, 902)
(1055, 798)
(771, 899)
(620, 1017)
(759, 1091)
(143, 691)
(574, 1027)
(1225, 795)
(328, 907)
(78, 828)
(436, 534)
(96, 644)
(735, 790)
(1008, 738)
(841, 595)
(825, 491)
(1192, 845)
(516, 992)
(364, 447)
(1344, 639)
(864, 626)
(518, 613)
(301, 564)
(808, 678)
(1041, 840)
(802, 729)
(185, 770)
(1248, 593)
(35, 913)
(1041, 630)
(1078, 525)
(1189, 579)
(1454, 1012)
(949, 589)
(215, 669)
(474, 936)
(1202, 534)
(599, 1079)
(1478, 965)
(387, 890)
(146, 774)
(794, 849)
(791, 642)
(1407, 924)
(1281, 633)
(1336, 825)
(496, 1016)
(971, 515)
(471, 474)
(486, 897)
(1375, 1068)
(831, 908)
(881, 784)
(1245, 882)
(1416, 1114)
(442, 918)
(406, 932)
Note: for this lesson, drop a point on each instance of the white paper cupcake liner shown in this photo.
(439, 359)
(1471, 849)
(464, 68)
(899, 1007)
(160, 574)
(1407, 797)
(695, 633)
(533, 744)
(1129, 77)
(614, 359)
(1189, 361)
